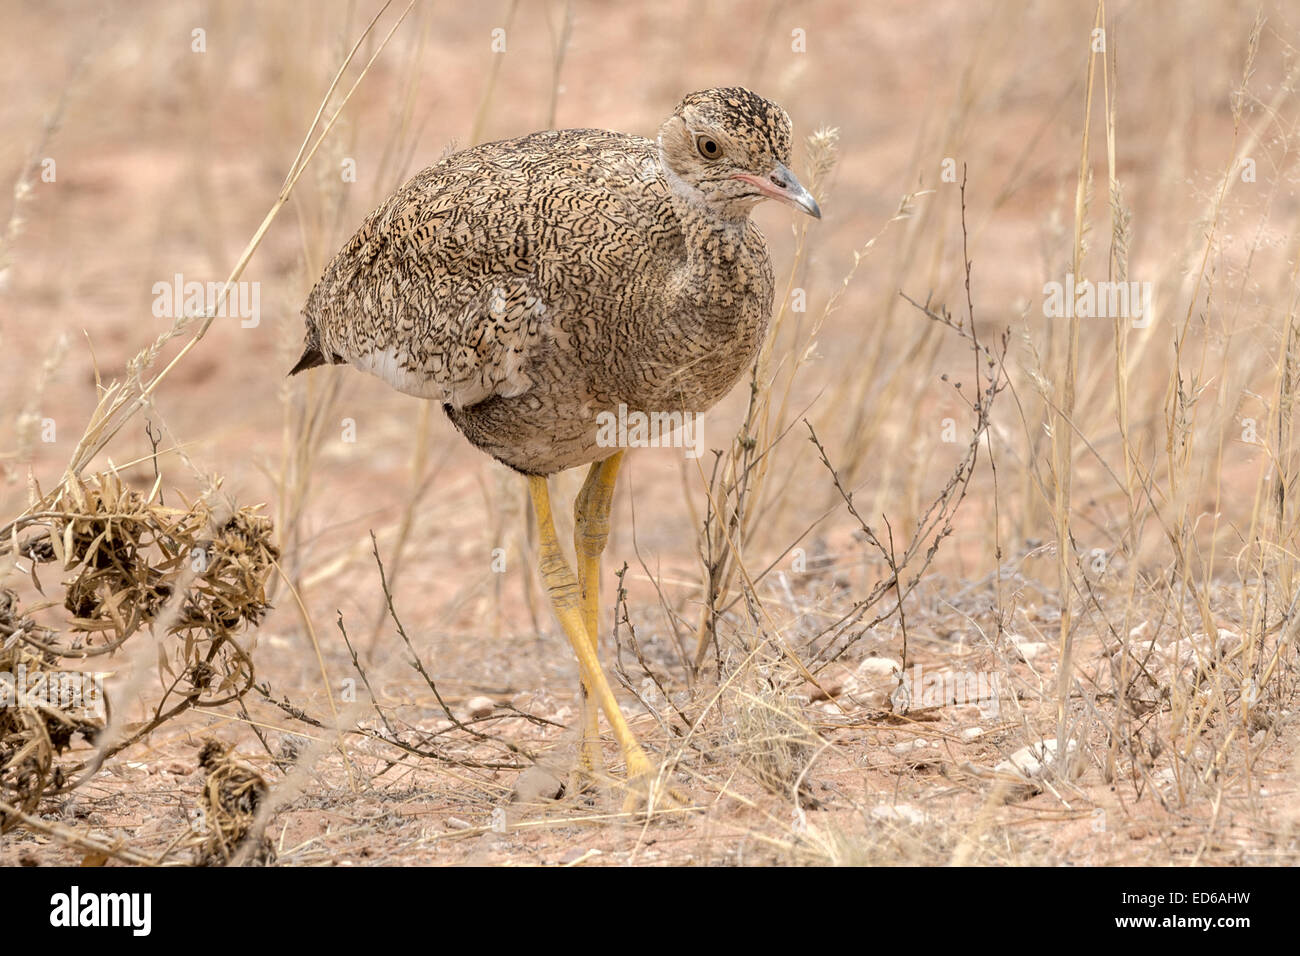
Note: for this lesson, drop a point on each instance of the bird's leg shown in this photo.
(566, 600)
(590, 532)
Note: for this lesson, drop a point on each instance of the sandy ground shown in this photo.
(167, 160)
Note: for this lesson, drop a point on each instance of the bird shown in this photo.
(534, 284)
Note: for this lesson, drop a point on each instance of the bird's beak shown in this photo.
(781, 184)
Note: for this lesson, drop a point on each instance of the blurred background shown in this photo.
(1140, 472)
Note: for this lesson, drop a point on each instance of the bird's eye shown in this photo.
(708, 148)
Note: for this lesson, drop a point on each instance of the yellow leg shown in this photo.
(566, 600)
(590, 532)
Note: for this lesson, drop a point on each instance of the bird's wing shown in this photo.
(456, 281)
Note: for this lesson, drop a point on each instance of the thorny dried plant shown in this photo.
(195, 578)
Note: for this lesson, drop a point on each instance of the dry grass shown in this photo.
(1095, 518)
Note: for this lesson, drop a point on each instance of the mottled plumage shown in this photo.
(530, 284)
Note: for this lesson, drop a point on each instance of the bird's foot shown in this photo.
(648, 787)
(588, 771)
(583, 784)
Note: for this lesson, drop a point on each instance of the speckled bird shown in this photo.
(529, 285)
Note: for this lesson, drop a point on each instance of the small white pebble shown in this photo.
(1029, 650)
(907, 746)
(898, 813)
(1030, 762)
(878, 668)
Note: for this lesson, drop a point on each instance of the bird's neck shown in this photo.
(720, 263)
(717, 303)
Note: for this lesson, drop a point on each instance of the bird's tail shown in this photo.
(312, 354)
(311, 357)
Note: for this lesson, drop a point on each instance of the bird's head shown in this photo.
(728, 149)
